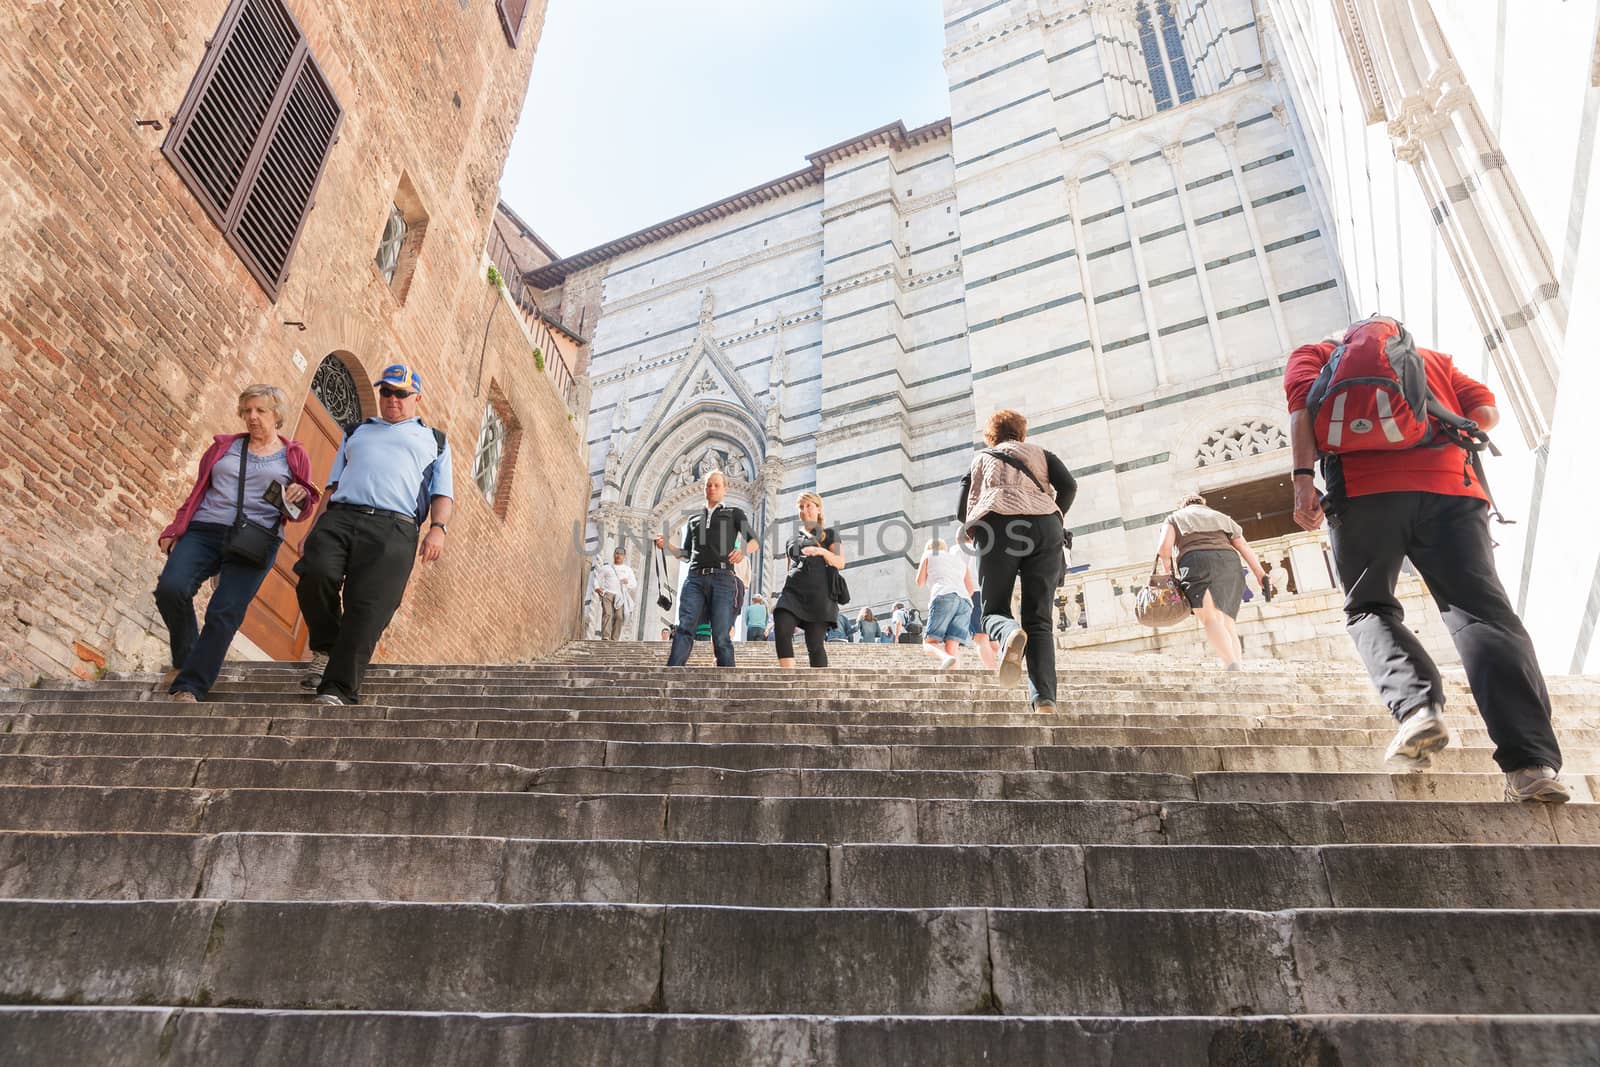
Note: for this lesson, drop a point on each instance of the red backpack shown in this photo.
(1373, 396)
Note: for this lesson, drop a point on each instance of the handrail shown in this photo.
(544, 340)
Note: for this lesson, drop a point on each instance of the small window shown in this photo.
(491, 446)
(253, 135)
(512, 14)
(394, 236)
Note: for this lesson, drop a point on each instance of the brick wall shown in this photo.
(127, 324)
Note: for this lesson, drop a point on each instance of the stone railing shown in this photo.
(1298, 563)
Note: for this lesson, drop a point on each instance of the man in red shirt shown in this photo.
(1426, 504)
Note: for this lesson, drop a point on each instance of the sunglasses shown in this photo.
(393, 394)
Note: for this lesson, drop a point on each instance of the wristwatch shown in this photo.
(439, 525)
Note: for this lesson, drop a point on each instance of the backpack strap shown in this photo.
(1012, 461)
(1467, 436)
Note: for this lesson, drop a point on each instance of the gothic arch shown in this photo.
(644, 480)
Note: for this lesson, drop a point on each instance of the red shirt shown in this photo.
(1425, 469)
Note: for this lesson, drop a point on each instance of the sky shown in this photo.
(640, 110)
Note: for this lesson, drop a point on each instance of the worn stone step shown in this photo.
(187, 1037)
(633, 958)
(122, 736)
(271, 866)
(228, 773)
(829, 820)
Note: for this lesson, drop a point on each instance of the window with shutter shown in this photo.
(254, 133)
(512, 12)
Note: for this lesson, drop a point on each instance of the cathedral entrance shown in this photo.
(1264, 507)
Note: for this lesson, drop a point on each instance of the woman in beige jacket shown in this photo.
(1013, 512)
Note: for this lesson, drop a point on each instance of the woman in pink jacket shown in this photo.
(204, 539)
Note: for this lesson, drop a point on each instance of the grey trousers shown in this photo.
(610, 618)
(1447, 540)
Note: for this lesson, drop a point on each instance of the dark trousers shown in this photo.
(369, 558)
(197, 653)
(1025, 547)
(1447, 540)
(784, 622)
(703, 593)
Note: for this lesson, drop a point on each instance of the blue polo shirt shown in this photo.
(381, 464)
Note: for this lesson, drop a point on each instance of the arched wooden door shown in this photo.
(273, 622)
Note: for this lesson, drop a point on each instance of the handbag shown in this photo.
(838, 589)
(1161, 602)
(248, 542)
(663, 598)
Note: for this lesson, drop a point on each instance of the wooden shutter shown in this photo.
(512, 13)
(254, 133)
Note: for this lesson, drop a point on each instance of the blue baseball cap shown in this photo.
(400, 376)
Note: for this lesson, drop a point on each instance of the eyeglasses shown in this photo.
(392, 394)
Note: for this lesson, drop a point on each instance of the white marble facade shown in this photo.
(1123, 248)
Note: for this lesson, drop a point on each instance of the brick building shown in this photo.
(220, 192)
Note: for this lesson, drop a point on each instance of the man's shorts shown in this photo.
(947, 618)
(976, 625)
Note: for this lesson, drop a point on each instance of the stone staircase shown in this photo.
(592, 860)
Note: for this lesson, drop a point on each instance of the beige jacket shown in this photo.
(1001, 489)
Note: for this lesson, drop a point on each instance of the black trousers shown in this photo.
(1025, 547)
(367, 558)
(784, 622)
(1447, 540)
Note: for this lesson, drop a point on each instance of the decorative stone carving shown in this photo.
(1252, 437)
(706, 384)
(682, 473)
(706, 305)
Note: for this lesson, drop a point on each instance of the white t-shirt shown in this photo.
(614, 578)
(947, 573)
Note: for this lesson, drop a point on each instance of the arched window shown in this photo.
(335, 389)
(1164, 57)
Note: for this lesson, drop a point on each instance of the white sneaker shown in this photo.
(946, 661)
(1421, 734)
(1537, 783)
(330, 698)
(1009, 670)
(313, 676)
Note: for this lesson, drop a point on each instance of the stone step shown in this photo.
(534, 752)
(826, 820)
(136, 1037)
(228, 773)
(312, 720)
(693, 959)
(271, 866)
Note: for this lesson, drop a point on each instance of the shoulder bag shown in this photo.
(1161, 602)
(248, 542)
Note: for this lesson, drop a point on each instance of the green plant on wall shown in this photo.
(538, 357)
(495, 277)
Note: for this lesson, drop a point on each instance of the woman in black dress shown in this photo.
(806, 601)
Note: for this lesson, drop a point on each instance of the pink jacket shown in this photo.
(299, 470)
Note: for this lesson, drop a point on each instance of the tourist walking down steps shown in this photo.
(242, 475)
(1408, 490)
(391, 474)
(712, 546)
(1016, 523)
(1207, 546)
(807, 600)
(614, 583)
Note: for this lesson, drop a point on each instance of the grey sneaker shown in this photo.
(313, 678)
(333, 699)
(1537, 783)
(1421, 734)
(183, 696)
(1009, 669)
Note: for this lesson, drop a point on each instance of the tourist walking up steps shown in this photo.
(614, 584)
(228, 526)
(391, 474)
(807, 600)
(1208, 546)
(950, 587)
(1017, 526)
(755, 619)
(1386, 502)
(712, 546)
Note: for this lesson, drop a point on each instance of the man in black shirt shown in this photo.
(711, 547)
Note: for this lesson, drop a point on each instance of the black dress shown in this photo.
(805, 591)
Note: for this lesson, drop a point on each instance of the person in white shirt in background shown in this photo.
(615, 583)
(950, 589)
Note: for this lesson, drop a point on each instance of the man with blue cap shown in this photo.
(391, 474)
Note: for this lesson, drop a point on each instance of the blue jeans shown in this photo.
(947, 619)
(718, 590)
(197, 653)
